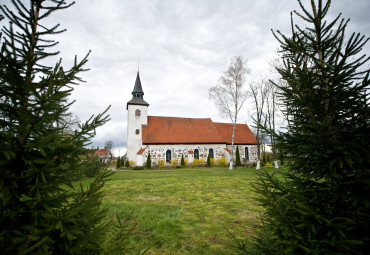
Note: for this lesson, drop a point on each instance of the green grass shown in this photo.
(185, 212)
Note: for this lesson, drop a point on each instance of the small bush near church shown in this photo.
(221, 161)
(202, 162)
(182, 160)
(138, 168)
(213, 161)
(148, 161)
(160, 162)
(195, 162)
(174, 162)
(131, 163)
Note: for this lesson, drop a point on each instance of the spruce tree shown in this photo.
(237, 154)
(122, 161)
(182, 160)
(322, 206)
(118, 165)
(148, 161)
(208, 161)
(40, 210)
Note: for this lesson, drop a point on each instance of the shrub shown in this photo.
(213, 161)
(182, 160)
(138, 168)
(131, 163)
(186, 161)
(195, 162)
(237, 155)
(174, 162)
(148, 161)
(221, 161)
(161, 162)
(179, 166)
(264, 160)
(118, 163)
(208, 161)
(202, 162)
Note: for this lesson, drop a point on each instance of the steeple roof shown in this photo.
(138, 88)
(137, 94)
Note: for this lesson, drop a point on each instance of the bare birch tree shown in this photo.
(229, 94)
(259, 92)
(271, 113)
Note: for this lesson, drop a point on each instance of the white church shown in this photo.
(168, 138)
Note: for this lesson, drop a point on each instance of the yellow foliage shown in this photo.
(186, 161)
(221, 161)
(268, 164)
(202, 162)
(195, 162)
(173, 162)
(213, 161)
(160, 162)
(132, 163)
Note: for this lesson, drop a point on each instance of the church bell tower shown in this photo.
(137, 115)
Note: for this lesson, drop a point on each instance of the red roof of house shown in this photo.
(101, 152)
(172, 130)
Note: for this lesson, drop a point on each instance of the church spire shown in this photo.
(137, 93)
(138, 90)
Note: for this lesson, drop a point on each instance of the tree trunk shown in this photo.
(232, 148)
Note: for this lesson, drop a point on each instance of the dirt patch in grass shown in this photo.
(149, 198)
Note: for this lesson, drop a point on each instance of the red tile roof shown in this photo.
(172, 130)
(141, 150)
(243, 135)
(226, 149)
(101, 152)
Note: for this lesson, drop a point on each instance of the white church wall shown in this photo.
(134, 139)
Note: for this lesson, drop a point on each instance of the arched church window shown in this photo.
(246, 153)
(168, 156)
(210, 153)
(196, 154)
(137, 113)
(137, 131)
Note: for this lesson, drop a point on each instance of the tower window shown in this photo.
(137, 113)
(196, 154)
(168, 156)
(137, 132)
(210, 153)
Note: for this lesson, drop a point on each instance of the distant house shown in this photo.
(102, 155)
(168, 138)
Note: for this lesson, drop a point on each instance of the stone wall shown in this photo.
(159, 152)
(252, 153)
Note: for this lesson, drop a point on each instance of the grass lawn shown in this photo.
(185, 212)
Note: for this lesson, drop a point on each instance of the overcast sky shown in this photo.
(182, 46)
